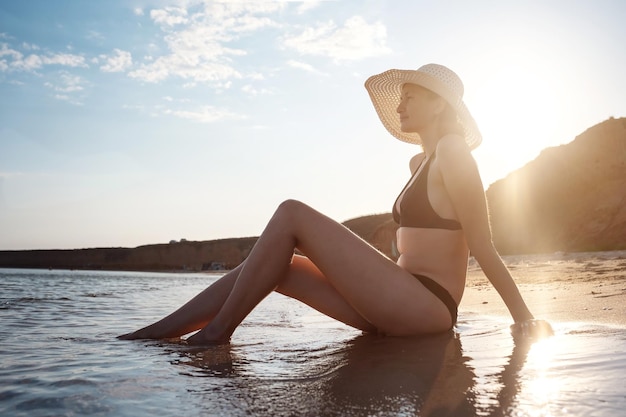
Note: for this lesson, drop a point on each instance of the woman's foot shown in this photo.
(207, 337)
(131, 336)
(148, 332)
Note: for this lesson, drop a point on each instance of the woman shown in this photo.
(442, 215)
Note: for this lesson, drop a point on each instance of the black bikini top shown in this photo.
(414, 207)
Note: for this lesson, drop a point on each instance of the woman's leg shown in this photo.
(303, 282)
(306, 283)
(193, 315)
(378, 290)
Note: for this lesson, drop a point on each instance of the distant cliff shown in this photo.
(175, 256)
(570, 198)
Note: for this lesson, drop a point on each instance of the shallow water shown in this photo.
(59, 357)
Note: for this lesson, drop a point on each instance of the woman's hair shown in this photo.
(448, 121)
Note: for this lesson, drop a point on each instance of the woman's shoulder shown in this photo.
(415, 161)
(452, 144)
(454, 157)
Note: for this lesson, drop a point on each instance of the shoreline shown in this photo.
(585, 287)
(564, 287)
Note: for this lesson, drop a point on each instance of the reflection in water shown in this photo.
(214, 362)
(537, 383)
(367, 375)
(428, 376)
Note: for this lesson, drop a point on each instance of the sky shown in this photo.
(132, 122)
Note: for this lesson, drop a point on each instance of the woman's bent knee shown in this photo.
(290, 208)
(291, 205)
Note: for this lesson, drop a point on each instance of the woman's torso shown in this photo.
(430, 239)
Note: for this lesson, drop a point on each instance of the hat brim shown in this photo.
(385, 90)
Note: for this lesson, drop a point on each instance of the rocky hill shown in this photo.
(175, 256)
(570, 198)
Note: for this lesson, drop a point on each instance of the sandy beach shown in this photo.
(589, 287)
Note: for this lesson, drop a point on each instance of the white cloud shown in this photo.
(68, 87)
(229, 9)
(12, 53)
(30, 63)
(186, 67)
(198, 50)
(356, 39)
(137, 107)
(255, 76)
(170, 16)
(17, 61)
(305, 6)
(250, 90)
(138, 11)
(171, 99)
(69, 99)
(304, 66)
(71, 82)
(184, 108)
(92, 34)
(62, 97)
(248, 23)
(68, 60)
(30, 46)
(118, 62)
(205, 114)
(202, 40)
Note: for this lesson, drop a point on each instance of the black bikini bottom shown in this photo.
(442, 294)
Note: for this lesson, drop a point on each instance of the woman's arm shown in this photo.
(464, 186)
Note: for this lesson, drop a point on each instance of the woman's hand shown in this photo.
(532, 329)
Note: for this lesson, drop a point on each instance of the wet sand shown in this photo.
(589, 287)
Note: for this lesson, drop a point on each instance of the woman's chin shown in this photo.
(406, 128)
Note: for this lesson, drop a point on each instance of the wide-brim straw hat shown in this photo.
(385, 90)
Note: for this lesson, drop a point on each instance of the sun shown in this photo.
(518, 112)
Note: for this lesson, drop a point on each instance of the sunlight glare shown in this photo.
(519, 113)
(539, 384)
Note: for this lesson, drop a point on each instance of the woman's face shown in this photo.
(418, 108)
